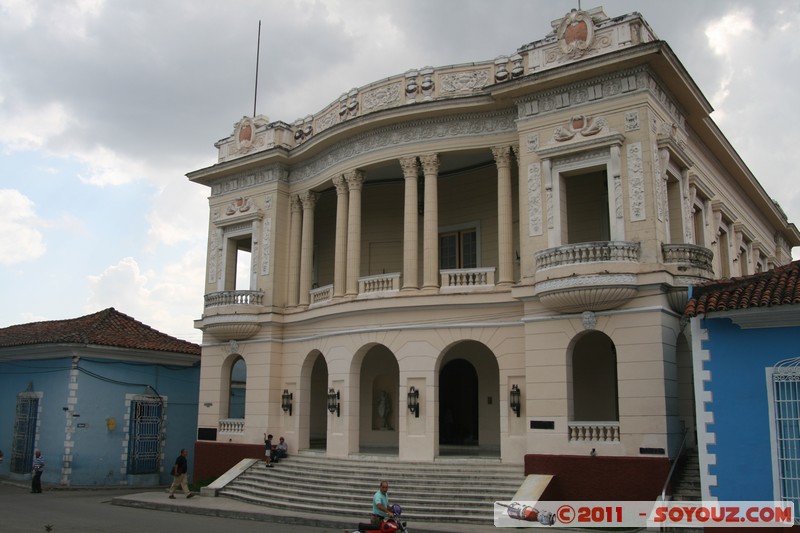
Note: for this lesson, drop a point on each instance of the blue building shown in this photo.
(746, 353)
(108, 400)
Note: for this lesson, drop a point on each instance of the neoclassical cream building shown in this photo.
(504, 245)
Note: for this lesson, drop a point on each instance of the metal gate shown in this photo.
(144, 447)
(24, 437)
(786, 402)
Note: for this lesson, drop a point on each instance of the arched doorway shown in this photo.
(458, 404)
(317, 404)
(469, 406)
(379, 402)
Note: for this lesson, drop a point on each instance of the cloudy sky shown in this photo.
(105, 105)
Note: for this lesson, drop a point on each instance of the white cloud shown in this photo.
(20, 240)
(164, 299)
(724, 37)
(32, 128)
(109, 168)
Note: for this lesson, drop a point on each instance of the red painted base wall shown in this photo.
(600, 478)
(212, 459)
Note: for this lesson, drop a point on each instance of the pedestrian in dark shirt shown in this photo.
(179, 470)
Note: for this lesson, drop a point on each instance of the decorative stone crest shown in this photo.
(239, 205)
(244, 135)
(589, 320)
(576, 34)
(579, 124)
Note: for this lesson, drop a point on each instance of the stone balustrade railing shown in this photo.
(689, 254)
(321, 294)
(588, 252)
(467, 278)
(593, 431)
(382, 283)
(231, 425)
(215, 299)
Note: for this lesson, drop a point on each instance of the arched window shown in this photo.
(594, 379)
(238, 389)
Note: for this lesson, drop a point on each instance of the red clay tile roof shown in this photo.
(105, 328)
(779, 286)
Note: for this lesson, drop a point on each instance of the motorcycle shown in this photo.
(388, 525)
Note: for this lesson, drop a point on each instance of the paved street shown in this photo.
(90, 511)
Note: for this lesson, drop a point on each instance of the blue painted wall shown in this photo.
(102, 385)
(738, 363)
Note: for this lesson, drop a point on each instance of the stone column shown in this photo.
(294, 250)
(410, 168)
(340, 253)
(355, 181)
(309, 199)
(430, 251)
(505, 221)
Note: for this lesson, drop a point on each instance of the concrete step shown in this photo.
(459, 490)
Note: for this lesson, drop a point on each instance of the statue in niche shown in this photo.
(384, 409)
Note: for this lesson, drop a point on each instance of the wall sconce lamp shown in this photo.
(208, 404)
(333, 401)
(413, 401)
(514, 399)
(286, 401)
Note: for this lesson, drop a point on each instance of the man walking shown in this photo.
(179, 470)
(38, 468)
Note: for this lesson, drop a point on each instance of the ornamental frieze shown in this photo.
(459, 82)
(382, 97)
(408, 133)
(597, 89)
(245, 180)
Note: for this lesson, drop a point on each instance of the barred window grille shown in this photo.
(24, 438)
(786, 405)
(144, 447)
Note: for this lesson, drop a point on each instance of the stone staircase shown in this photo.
(449, 490)
(687, 478)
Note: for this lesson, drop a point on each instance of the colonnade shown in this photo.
(347, 248)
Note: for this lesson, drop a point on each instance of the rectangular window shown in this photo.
(144, 447)
(458, 249)
(785, 400)
(24, 438)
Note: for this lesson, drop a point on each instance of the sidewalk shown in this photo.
(230, 508)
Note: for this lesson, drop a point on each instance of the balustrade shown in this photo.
(379, 283)
(593, 431)
(467, 278)
(588, 252)
(688, 254)
(215, 299)
(231, 425)
(321, 294)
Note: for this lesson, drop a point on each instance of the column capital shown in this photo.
(340, 182)
(296, 203)
(355, 179)
(410, 166)
(309, 199)
(502, 155)
(430, 163)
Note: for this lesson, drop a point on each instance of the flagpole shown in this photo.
(258, 53)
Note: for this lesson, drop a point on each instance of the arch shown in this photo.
(228, 387)
(378, 399)
(594, 393)
(237, 388)
(468, 400)
(313, 402)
